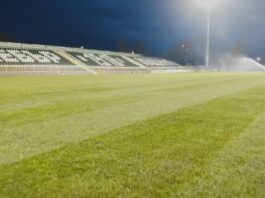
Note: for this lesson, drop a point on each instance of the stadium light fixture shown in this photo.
(187, 50)
(208, 5)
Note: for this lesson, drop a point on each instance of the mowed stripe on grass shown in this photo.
(213, 149)
(41, 114)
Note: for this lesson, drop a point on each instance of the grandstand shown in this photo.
(25, 59)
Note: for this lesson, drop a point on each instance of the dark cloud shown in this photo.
(159, 25)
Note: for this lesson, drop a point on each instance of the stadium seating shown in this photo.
(155, 62)
(20, 59)
(103, 60)
(30, 57)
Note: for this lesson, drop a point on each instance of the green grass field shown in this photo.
(169, 135)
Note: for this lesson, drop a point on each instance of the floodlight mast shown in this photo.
(207, 58)
(208, 5)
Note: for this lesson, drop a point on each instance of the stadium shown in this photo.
(17, 59)
(77, 122)
(24, 59)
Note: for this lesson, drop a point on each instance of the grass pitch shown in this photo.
(170, 135)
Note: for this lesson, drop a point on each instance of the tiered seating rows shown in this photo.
(47, 57)
(154, 62)
(104, 60)
(31, 57)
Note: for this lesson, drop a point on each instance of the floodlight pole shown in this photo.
(207, 58)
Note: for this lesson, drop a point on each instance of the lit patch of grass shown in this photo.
(237, 171)
(39, 114)
(164, 156)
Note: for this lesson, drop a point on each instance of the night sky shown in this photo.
(153, 27)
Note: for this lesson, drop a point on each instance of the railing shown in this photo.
(49, 47)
